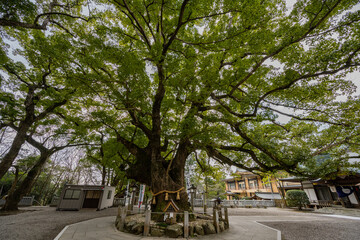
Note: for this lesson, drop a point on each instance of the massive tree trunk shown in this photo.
(162, 176)
(172, 181)
(19, 140)
(20, 136)
(16, 179)
(14, 197)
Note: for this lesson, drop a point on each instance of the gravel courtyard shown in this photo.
(45, 223)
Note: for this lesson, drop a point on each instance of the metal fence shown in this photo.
(211, 203)
(25, 201)
(119, 202)
(237, 203)
(54, 201)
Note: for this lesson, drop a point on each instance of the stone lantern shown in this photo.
(192, 190)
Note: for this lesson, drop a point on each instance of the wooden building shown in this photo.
(247, 185)
(340, 190)
(76, 197)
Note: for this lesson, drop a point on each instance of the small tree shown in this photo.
(296, 198)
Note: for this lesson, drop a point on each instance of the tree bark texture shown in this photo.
(162, 175)
(19, 140)
(14, 197)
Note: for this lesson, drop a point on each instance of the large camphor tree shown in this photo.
(168, 78)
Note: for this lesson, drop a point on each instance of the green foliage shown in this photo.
(296, 198)
(247, 83)
(16, 10)
(207, 176)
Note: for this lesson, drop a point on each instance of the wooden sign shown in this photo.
(171, 207)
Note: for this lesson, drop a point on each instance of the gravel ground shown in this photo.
(330, 229)
(310, 225)
(44, 223)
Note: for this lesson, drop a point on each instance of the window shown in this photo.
(253, 184)
(72, 194)
(267, 186)
(242, 185)
(93, 194)
(109, 194)
(231, 185)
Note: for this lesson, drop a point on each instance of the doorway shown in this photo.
(92, 198)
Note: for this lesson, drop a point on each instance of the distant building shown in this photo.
(251, 186)
(343, 189)
(76, 197)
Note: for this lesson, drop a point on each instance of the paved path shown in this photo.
(245, 224)
(104, 229)
(43, 223)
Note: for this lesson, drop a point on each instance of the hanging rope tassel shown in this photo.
(154, 200)
(178, 196)
(166, 196)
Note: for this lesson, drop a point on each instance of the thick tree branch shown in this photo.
(248, 151)
(50, 109)
(225, 160)
(179, 25)
(261, 148)
(130, 146)
(9, 23)
(304, 119)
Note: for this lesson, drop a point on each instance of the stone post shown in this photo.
(192, 201)
(186, 224)
(226, 213)
(119, 211)
(122, 214)
(216, 220)
(147, 222)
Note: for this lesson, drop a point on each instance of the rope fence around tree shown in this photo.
(166, 194)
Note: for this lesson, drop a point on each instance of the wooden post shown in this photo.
(147, 222)
(186, 224)
(132, 202)
(216, 220)
(220, 211)
(122, 213)
(226, 213)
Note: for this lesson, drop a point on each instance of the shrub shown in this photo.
(296, 198)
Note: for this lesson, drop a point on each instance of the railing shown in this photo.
(325, 203)
(237, 203)
(199, 203)
(321, 203)
(119, 202)
(24, 202)
(54, 201)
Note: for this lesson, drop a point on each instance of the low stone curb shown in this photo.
(62, 232)
(135, 224)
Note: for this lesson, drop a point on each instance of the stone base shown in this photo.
(202, 225)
